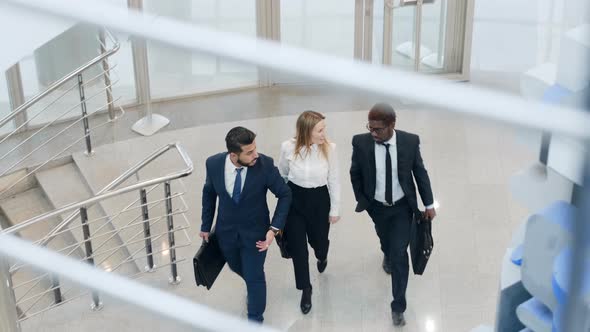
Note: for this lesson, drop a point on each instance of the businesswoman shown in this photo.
(308, 162)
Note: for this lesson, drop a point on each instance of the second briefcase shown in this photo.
(281, 241)
(421, 243)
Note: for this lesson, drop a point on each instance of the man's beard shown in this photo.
(244, 164)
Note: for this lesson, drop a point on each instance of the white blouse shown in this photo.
(312, 170)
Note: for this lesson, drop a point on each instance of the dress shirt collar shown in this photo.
(392, 141)
(230, 167)
(313, 146)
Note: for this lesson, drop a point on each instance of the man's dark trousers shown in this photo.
(243, 258)
(393, 225)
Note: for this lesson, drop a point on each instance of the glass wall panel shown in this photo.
(53, 61)
(175, 72)
(325, 26)
(5, 105)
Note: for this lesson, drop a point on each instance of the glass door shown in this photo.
(418, 35)
(425, 35)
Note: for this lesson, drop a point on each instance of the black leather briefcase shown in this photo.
(208, 262)
(421, 243)
(282, 243)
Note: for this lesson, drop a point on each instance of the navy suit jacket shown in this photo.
(409, 166)
(250, 217)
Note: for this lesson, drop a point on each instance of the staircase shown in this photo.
(33, 289)
(68, 176)
(116, 232)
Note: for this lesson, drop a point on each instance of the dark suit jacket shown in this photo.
(250, 217)
(409, 161)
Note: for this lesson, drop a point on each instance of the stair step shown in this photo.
(30, 204)
(548, 232)
(566, 157)
(7, 181)
(573, 70)
(19, 208)
(535, 82)
(535, 315)
(53, 181)
(537, 186)
(32, 296)
(103, 170)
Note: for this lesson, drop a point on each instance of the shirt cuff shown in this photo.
(334, 212)
(431, 206)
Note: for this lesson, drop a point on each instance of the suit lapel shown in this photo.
(250, 177)
(222, 177)
(401, 151)
(371, 149)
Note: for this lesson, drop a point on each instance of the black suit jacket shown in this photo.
(250, 217)
(409, 166)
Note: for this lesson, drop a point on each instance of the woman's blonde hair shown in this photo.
(304, 128)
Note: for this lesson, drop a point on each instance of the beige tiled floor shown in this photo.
(470, 165)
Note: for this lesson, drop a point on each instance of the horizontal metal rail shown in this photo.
(47, 141)
(96, 252)
(56, 155)
(62, 81)
(172, 307)
(108, 193)
(47, 239)
(53, 102)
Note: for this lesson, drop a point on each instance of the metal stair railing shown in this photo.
(23, 147)
(171, 307)
(153, 245)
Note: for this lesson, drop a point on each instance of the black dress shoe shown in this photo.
(386, 265)
(306, 300)
(398, 318)
(322, 265)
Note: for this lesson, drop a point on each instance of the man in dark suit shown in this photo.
(240, 179)
(385, 163)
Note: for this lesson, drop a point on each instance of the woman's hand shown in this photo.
(333, 219)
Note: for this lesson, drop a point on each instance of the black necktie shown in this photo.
(388, 176)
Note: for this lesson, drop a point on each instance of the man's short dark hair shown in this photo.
(382, 112)
(237, 137)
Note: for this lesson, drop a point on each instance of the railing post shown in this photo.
(16, 95)
(56, 289)
(174, 279)
(96, 304)
(146, 231)
(545, 142)
(8, 312)
(84, 115)
(150, 123)
(107, 76)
